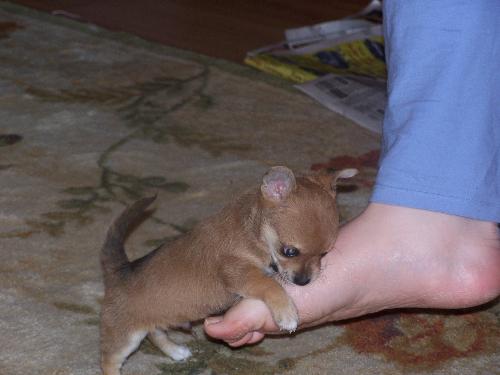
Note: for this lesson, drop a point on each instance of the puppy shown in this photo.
(277, 232)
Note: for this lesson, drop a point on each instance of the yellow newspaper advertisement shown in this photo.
(357, 57)
(359, 54)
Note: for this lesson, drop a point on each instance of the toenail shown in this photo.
(213, 320)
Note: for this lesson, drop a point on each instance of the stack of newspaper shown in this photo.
(341, 64)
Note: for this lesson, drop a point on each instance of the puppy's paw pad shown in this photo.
(179, 353)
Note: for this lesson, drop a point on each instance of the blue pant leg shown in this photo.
(441, 135)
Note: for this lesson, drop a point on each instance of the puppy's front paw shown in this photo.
(179, 352)
(287, 318)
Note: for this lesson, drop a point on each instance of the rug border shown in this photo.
(139, 42)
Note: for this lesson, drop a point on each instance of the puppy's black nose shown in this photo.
(301, 279)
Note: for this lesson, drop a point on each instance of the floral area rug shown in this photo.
(92, 120)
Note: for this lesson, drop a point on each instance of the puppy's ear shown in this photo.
(277, 184)
(343, 173)
(329, 181)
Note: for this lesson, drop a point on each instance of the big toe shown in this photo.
(246, 317)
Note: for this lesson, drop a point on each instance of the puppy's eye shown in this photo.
(290, 251)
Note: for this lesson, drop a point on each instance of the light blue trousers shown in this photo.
(441, 135)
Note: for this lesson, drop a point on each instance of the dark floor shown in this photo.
(220, 28)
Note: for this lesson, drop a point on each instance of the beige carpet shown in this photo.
(91, 120)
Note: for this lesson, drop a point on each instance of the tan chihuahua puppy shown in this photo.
(277, 232)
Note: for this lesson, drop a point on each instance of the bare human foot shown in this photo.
(388, 257)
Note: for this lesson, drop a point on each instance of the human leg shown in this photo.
(428, 238)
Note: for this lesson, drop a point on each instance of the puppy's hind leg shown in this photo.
(175, 351)
(116, 349)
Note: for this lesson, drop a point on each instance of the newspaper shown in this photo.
(323, 31)
(357, 98)
(340, 63)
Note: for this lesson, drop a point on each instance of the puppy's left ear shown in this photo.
(329, 181)
(343, 173)
(277, 184)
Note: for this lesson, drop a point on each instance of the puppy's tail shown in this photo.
(114, 261)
